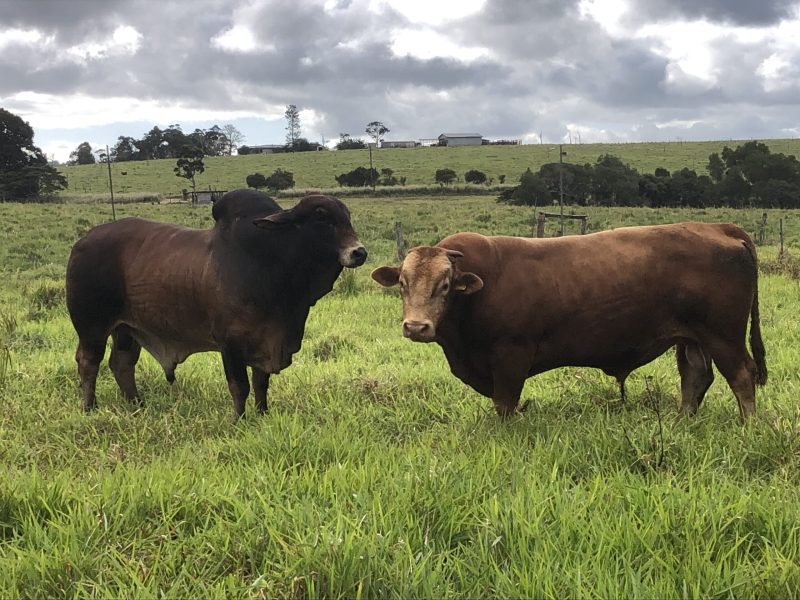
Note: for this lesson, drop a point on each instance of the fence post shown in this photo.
(781, 255)
(584, 224)
(540, 225)
(401, 244)
(762, 229)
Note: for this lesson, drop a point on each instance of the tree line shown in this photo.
(24, 171)
(749, 175)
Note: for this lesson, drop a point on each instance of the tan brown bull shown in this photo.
(504, 309)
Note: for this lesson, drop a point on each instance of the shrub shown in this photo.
(445, 176)
(280, 180)
(475, 176)
(256, 180)
(387, 177)
(358, 177)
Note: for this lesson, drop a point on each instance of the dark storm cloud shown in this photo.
(548, 66)
(739, 12)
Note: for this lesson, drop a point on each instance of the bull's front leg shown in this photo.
(260, 389)
(510, 366)
(236, 374)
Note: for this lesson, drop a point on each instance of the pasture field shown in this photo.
(316, 170)
(376, 472)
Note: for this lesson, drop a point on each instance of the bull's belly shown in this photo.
(170, 352)
(617, 360)
(269, 353)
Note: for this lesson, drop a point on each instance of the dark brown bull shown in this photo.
(504, 309)
(243, 288)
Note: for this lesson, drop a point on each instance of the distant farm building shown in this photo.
(267, 149)
(403, 144)
(206, 196)
(460, 139)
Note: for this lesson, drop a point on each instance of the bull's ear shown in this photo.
(387, 276)
(278, 219)
(467, 283)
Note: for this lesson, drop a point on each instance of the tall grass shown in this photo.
(376, 472)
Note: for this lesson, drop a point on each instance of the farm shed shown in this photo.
(206, 196)
(460, 139)
(399, 144)
(267, 149)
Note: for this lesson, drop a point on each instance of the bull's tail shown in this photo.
(756, 343)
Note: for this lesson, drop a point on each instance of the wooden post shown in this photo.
(401, 244)
(111, 185)
(584, 225)
(781, 255)
(761, 237)
(540, 225)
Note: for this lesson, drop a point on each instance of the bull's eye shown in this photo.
(445, 287)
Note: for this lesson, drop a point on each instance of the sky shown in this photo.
(552, 71)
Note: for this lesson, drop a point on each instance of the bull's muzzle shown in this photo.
(419, 331)
(353, 257)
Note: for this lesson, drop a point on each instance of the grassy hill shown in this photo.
(417, 165)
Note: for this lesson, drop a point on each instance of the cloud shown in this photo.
(505, 68)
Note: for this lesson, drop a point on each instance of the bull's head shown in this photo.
(328, 221)
(429, 279)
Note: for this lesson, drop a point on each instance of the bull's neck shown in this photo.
(450, 331)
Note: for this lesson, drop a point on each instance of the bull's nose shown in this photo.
(417, 330)
(358, 256)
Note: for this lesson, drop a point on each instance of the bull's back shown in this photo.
(631, 283)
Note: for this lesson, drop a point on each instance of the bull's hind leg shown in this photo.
(89, 355)
(697, 374)
(260, 389)
(739, 369)
(125, 351)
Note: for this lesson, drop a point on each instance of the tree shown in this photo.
(348, 143)
(776, 193)
(531, 191)
(358, 177)
(716, 168)
(256, 180)
(686, 188)
(387, 177)
(734, 190)
(24, 172)
(292, 125)
(655, 188)
(376, 130)
(280, 180)
(82, 155)
(244, 150)
(575, 180)
(212, 141)
(125, 149)
(190, 163)
(614, 183)
(475, 176)
(445, 176)
(303, 145)
(234, 138)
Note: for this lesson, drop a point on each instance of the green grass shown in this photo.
(316, 170)
(377, 473)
